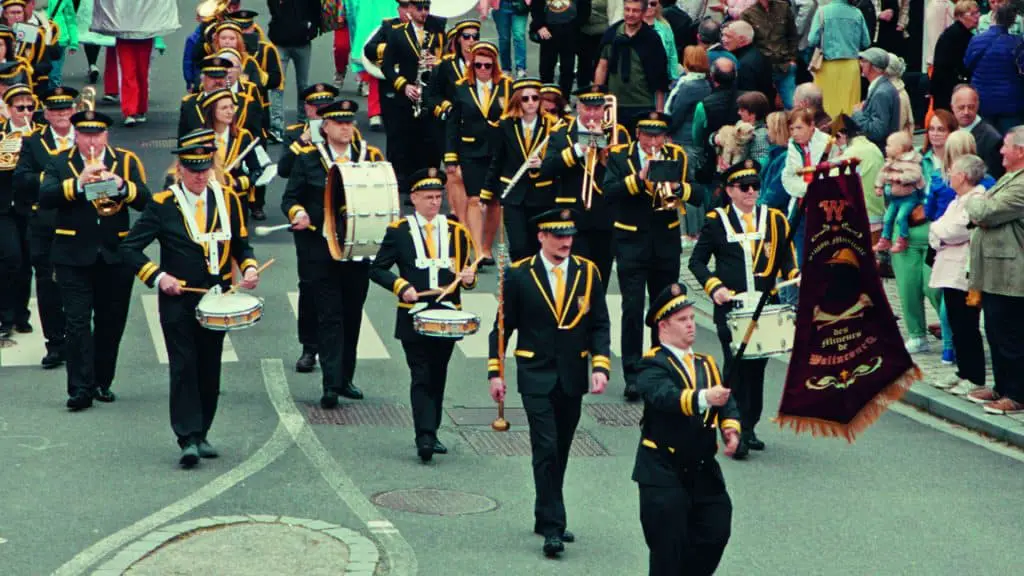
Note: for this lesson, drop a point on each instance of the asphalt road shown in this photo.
(912, 496)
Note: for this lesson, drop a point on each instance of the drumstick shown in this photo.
(265, 230)
(194, 290)
(781, 285)
(259, 271)
(449, 288)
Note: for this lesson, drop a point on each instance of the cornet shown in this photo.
(105, 205)
(663, 197)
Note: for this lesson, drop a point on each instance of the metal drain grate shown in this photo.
(517, 443)
(621, 415)
(385, 415)
(463, 416)
(160, 144)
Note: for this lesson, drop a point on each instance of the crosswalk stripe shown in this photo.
(29, 348)
(152, 312)
(369, 347)
(615, 315)
(486, 307)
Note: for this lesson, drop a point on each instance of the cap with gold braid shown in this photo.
(559, 222)
(60, 98)
(7, 33)
(340, 111)
(244, 18)
(591, 95)
(320, 94)
(551, 89)
(11, 72)
(196, 149)
(227, 25)
(15, 91)
(465, 25)
(215, 67)
(427, 179)
(523, 83)
(91, 122)
(745, 172)
(200, 137)
(653, 123)
(211, 98)
(485, 46)
(228, 54)
(9, 3)
(671, 300)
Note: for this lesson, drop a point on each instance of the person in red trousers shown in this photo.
(342, 47)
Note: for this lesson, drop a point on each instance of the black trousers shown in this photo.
(194, 355)
(1005, 335)
(15, 269)
(48, 296)
(338, 295)
(520, 234)
(411, 146)
(428, 367)
(588, 52)
(259, 198)
(96, 300)
(634, 282)
(687, 525)
(970, 351)
(559, 49)
(307, 305)
(747, 385)
(596, 245)
(552, 419)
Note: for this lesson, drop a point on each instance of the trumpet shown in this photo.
(105, 206)
(663, 198)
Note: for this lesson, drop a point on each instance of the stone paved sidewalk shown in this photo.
(1009, 429)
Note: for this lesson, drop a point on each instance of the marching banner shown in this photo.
(849, 361)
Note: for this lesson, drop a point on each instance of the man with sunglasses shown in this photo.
(744, 239)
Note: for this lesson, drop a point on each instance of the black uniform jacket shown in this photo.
(180, 256)
(36, 152)
(634, 199)
(292, 135)
(674, 433)
(305, 191)
(730, 268)
(242, 176)
(562, 164)
(9, 198)
(398, 248)
(554, 350)
(249, 115)
(472, 121)
(443, 78)
(510, 150)
(402, 53)
(269, 60)
(82, 235)
(377, 44)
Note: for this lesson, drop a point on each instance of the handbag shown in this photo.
(332, 15)
(818, 57)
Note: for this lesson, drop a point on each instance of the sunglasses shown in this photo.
(24, 108)
(470, 36)
(748, 187)
(483, 65)
(531, 98)
(421, 7)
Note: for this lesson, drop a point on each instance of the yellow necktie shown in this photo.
(419, 36)
(688, 359)
(222, 155)
(201, 216)
(63, 143)
(528, 132)
(486, 94)
(559, 290)
(431, 248)
(748, 227)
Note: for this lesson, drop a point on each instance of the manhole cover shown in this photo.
(517, 443)
(361, 415)
(436, 502)
(463, 416)
(623, 415)
(160, 143)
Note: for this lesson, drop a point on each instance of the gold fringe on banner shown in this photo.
(865, 418)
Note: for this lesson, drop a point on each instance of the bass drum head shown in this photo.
(368, 63)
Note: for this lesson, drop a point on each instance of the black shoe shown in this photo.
(425, 450)
(742, 451)
(79, 401)
(258, 214)
(754, 443)
(553, 546)
(23, 327)
(567, 537)
(350, 391)
(440, 448)
(329, 400)
(487, 261)
(104, 395)
(6, 330)
(53, 359)
(275, 138)
(306, 363)
(207, 451)
(630, 393)
(94, 75)
(189, 456)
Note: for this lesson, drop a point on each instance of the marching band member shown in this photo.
(556, 302)
(38, 53)
(15, 256)
(95, 284)
(267, 57)
(745, 239)
(431, 252)
(477, 105)
(13, 69)
(646, 240)
(412, 49)
(219, 108)
(684, 507)
(518, 141)
(300, 136)
(574, 159)
(227, 35)
(250, 104)
(213, 75)
(553, 103)
(201, 229)
(37, 151)
(339, 288)
(374, 51)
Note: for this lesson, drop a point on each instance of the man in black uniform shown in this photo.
(36, 153)
(95, 285)
(213, 76)
(339, 287)
(373, 51)
(745, 239)
(573, 152)
(430, 252)
(556, 302)
(15, 262)
(418, 41)
(190, 256)
(647, 246)
(684, 506)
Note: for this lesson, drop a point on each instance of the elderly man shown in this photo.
(808, 95)
(997, 257)
(777, 38)
(879, 115)
(965, 109)
(709, 36)
(755, 71)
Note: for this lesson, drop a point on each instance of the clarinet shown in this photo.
(422, 73)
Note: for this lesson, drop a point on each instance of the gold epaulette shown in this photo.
(519, 262)
(619, 147)
(448, 56)
(712, 214)
(187, 97)
(296, 126)
(161, 197)
(652, 352)
(462, 81)
(397, 223)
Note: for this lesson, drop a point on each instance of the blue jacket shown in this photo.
(993, 68)
(845, 31)
(188, 66)
(940, 195)
(773, 194)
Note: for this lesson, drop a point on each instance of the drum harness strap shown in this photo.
(210, 241)
(422, 261)
(750, 297)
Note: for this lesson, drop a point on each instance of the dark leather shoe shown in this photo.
(104, 395)
(329, 400)
(207, 451)
(553, 546)
(189, 456)
(742, 451)
(425, 451)
(487, 261)
(630, 393)
(306, 362)
(440, 448)
(567, 537)
(79, 401)
(6, 330)
(754, 443)
(53, 359)
(23, 328)
(259, 214)
(350, 391)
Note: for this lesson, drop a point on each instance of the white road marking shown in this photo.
(3, 540)
(151, 306)
(486, 307)
(29, 348)
(615, 315)
(370, 345)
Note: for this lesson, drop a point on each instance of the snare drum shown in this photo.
(445, 323)
(367, 194)
(225, 312)
(774, 333)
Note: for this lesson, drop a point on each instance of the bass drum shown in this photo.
(367, 196)
(368, 63)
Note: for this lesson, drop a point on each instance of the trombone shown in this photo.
(610, 121)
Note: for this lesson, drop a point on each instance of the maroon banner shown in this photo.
(849, 361)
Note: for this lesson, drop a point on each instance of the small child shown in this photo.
(902, 183)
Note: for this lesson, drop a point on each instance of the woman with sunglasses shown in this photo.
(520, 139)
(478, 104)
(219, 108)
(553, 103)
